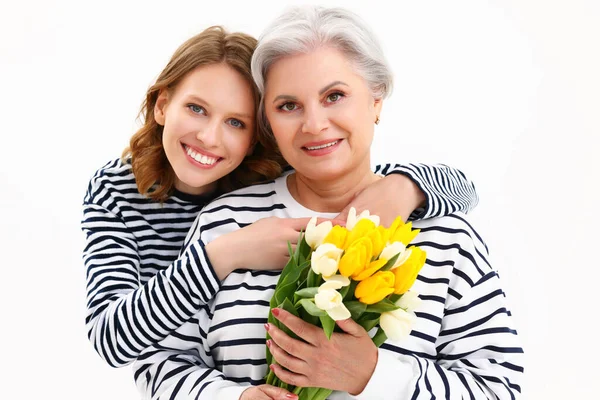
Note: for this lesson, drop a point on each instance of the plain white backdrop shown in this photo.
(507, 91)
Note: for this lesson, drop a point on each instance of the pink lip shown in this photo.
(199, 164)
(323, 151)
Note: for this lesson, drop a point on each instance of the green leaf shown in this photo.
(348, 291)
(388, 265)
(394, 297)
(321, 394)
(307, 292)
(313, 279)
(328, 324)
(368, 321)
(311, 308)
(303, 249)
(383, 306)
(305, 316)
(356, 308)
(380, 337)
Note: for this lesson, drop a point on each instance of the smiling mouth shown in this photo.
(322, 146)
(201, 158)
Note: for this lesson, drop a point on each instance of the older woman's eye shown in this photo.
(333, 97)
(196, 109)
(288, 107)
(236, 123)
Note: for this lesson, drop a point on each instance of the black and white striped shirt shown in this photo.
(463, 344)
(137, 290)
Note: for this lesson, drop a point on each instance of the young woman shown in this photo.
(200, 139)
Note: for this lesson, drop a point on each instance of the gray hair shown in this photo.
(304, 29)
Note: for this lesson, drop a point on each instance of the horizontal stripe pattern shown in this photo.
(462, 346)
(139, 286)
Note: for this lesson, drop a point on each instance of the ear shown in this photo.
(160, 107)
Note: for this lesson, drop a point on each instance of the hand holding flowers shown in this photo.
(345, 279)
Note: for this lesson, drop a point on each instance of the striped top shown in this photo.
(137, 289)
(463, 344)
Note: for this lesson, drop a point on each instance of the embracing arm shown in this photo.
(124, 316)
(441, 190)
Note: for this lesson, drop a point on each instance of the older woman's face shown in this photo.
(322, 114)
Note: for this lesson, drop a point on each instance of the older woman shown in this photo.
(324, 79)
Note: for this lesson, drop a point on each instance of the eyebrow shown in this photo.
(293, 98)
(206, 103)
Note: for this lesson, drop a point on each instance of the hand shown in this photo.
(267, 392)
(345, 362)
(394, 195)
(262, 245)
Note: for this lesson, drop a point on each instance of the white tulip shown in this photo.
(325, 259)
(409, 301)
(396, 248)
(335, 282)
(353, 218)
(330, 301)
(315, 234)
(397, 324)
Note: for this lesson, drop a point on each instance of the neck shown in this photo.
(331, 195)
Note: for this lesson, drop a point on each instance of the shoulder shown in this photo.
(453, 240)
(113, 180)
(254, 198)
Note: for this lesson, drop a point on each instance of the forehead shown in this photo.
(318, 67)
(219, 85)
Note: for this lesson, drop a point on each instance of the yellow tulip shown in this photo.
(379, 237)
(356, 257)
(337, 236)
(375, 288)
(373, 267)
(360, 230)
(406, 274)
(404, 234)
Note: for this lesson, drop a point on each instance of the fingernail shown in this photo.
(275, 312)
(272, 367)
(291, 396)
(269, 342)
(267, 327)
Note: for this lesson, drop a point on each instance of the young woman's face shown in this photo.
(322, 114)
(208, 126)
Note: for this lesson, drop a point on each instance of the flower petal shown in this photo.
(339, 313)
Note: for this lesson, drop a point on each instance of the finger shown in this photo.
(294, 347)
(254, 393)
(298, 224)
(303, 329)
(289, 377)
(351, 327)
(286, 360)
(277, 393)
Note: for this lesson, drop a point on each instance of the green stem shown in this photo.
(379, 337)
(298, 390)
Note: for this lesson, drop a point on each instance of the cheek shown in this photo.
(238, 143)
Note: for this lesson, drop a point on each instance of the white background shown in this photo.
(507, 91)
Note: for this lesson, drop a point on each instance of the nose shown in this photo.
(315, 120)
(210, 134)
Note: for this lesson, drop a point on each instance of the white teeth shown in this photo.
(323, 146)
(201, 158)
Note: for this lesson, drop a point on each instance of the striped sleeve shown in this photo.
(123, 315)
(446, 189)
(181, 367)
(478, 354)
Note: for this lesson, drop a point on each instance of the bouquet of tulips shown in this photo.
(361, 271)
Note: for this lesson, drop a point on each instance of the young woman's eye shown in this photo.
(288, 107)
(334, 97)
(196, 109)
(236, 123)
